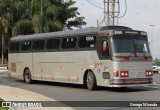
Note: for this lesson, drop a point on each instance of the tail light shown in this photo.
(149, 73)
(124, 74)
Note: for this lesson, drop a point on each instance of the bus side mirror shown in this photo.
(105, 46)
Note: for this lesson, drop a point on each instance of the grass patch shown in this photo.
(2, 108)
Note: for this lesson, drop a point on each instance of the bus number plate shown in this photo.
(137, 82)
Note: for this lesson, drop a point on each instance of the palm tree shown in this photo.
(6, 15)
(6, 20)
(26, 17)
(33, 19)
(54, 16)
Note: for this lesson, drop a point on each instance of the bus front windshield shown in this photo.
(127, 45)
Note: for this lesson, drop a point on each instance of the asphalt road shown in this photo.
(72, 92)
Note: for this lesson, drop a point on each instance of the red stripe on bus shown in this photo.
(68, 78)
(77, 78)
(52, 77)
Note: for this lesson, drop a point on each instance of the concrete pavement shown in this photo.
(15, 94)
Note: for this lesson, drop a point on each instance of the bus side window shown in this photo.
(72, 43)
(14, 46)
(53, 43)
(87, 42)
(11, 46)
(69, 43)
(38, 45)
(105, 49)
(26, 45)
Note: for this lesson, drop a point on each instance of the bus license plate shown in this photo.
(137, 82)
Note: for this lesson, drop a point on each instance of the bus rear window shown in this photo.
(87, 42)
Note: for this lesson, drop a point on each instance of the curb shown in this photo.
(16, 94)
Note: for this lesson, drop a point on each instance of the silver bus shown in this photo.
(111, 56)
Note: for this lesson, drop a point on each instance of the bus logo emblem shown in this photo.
(89, 38)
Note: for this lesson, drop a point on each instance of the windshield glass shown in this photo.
(127, 45)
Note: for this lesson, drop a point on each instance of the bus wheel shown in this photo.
(91, 81)
(27, 76)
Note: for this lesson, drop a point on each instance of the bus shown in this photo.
(110, 56)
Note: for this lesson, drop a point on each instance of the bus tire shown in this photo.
(91, 81)
(27, 76)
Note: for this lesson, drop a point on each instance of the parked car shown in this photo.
(155, 67)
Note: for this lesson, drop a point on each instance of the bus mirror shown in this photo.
(104, 46)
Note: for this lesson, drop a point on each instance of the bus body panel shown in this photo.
(66, 66)
(18, 62)
(136, 69)
(62, 66)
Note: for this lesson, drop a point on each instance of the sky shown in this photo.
(140, 15)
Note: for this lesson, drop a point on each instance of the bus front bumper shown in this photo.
(131, 82)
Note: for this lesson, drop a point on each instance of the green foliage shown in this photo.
(157, 61)
(30, 16)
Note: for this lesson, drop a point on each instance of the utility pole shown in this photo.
(2, 49)
(41, 8)
(151, 38)
(41, 28)
(113, 12)
(2, 44)
(110, 10)
(107, 11)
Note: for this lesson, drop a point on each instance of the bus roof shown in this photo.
(90, 30)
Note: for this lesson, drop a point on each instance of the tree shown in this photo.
(69, 15)
(52, 15)
(157, 61)
(6, 19)
(26, 17)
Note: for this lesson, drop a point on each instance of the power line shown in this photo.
(94, 4)
(125, 10)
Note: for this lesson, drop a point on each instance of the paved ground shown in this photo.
(16, 94)
(71, 92)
